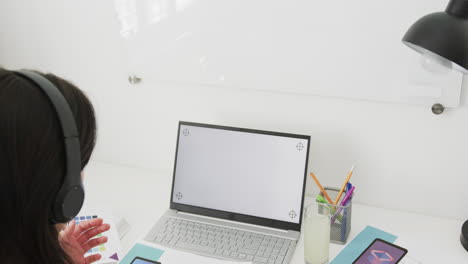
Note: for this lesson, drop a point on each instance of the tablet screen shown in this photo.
(381, 252)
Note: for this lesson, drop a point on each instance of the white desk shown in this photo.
(142, 196)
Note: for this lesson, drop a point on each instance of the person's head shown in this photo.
(32, 165)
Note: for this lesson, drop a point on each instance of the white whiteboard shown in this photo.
(339, 48)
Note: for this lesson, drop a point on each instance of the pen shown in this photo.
(348, 196)
(346, 199)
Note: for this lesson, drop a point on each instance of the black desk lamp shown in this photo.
(443, 36)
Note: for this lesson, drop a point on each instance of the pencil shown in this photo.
(344, 185)
(321, 188)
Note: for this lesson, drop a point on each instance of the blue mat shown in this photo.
(142, 251)
(360, 243)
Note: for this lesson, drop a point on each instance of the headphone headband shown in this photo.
(70, 198)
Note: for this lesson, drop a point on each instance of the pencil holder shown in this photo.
(340, 218)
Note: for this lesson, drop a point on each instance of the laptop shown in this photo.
(237, 194)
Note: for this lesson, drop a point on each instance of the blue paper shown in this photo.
(352, 251)
(142, 251)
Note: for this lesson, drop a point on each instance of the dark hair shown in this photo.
(32, 165)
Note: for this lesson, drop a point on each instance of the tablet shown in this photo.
(139, 260)
(381, 252)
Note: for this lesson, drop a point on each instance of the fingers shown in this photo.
(83, 226)
(93, 243)
(92, 258)
(90, 233)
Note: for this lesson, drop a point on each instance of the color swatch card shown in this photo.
(143, 252)
(109, 251)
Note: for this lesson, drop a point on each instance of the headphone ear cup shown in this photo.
(70, 197)
(68, 203)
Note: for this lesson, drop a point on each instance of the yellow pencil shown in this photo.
(344, 185)
(321, 188)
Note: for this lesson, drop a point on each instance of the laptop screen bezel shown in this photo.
(236, 216)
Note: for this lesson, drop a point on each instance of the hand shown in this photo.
(76, 240)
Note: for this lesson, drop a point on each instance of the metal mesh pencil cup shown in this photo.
(340, 218)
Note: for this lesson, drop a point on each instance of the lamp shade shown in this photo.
(443, 36)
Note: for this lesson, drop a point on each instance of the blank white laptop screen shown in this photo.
(240, 172)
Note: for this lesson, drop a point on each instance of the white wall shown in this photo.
(406, 157)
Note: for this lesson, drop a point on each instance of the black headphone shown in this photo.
(69, 199)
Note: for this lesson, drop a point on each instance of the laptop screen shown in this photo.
(241, 171)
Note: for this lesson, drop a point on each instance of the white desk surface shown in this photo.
(142, 196)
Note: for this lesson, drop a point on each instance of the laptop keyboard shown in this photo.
(220, 241)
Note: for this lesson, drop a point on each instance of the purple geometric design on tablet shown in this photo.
(380, 257)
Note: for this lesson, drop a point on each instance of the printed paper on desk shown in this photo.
(169, 256)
